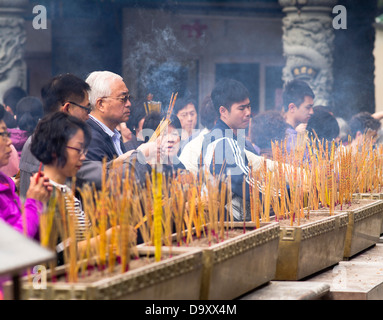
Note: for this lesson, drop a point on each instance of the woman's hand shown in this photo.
(40, 190)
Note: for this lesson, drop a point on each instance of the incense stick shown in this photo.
(39, 173)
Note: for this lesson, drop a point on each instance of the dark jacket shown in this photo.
(101, 144)
(28, 166)
(229, 156)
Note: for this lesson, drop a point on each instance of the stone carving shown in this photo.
(122, 286)
(12, 65)
(297, 3)
(308, 38)
(246, 242)
(13, 68)
(375, 208)
(374, 196)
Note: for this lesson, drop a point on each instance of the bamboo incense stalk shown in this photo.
(168, 215)
(257, 202)
(252, 213)
(157, 196)
(222, 210)
(268, 196)
(229, 202)
(192, 196)
(244, 203)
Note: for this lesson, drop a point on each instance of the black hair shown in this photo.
(137, 113)
(29, 111)
(9, 120)
(2, 112)
(61, 89)
(324, 124)
(210, 115)
(52, 135)
(175, 122)
(182, 103)
(295, 92)
(153, 120)
(227, 92)
(12, 96)
(266, 127)
(363, 121)
(329, 109)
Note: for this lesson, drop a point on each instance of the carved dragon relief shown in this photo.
(12, 65)
(308, 46)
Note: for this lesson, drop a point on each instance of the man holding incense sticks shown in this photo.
(224, 146)
(110, 100)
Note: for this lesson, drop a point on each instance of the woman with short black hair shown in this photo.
(60, 142)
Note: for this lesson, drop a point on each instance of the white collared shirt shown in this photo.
(115, 135)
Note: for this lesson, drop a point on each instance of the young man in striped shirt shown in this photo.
(224, 147)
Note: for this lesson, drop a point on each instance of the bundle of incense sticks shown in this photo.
(164, 122)
(320, 174)
(157, 196)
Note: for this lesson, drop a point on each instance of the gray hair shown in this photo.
(100, 84)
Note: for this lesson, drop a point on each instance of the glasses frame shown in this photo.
(87, 109)
(122, 99)
(5, 134)
(79, 151)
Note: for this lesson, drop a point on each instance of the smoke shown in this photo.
(156, 58)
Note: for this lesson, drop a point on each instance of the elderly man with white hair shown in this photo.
(110, 102)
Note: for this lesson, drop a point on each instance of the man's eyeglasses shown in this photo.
(79, 151)
(123, 99)
(87, 109)
(5, 134)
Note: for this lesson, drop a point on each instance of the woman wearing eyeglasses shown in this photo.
(59, 142)
(37, 195)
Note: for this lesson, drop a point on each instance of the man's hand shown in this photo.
(120, 160)
(150, 151)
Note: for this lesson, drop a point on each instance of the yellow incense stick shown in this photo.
(157, 195)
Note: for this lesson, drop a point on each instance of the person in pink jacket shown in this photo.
(11, 207)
